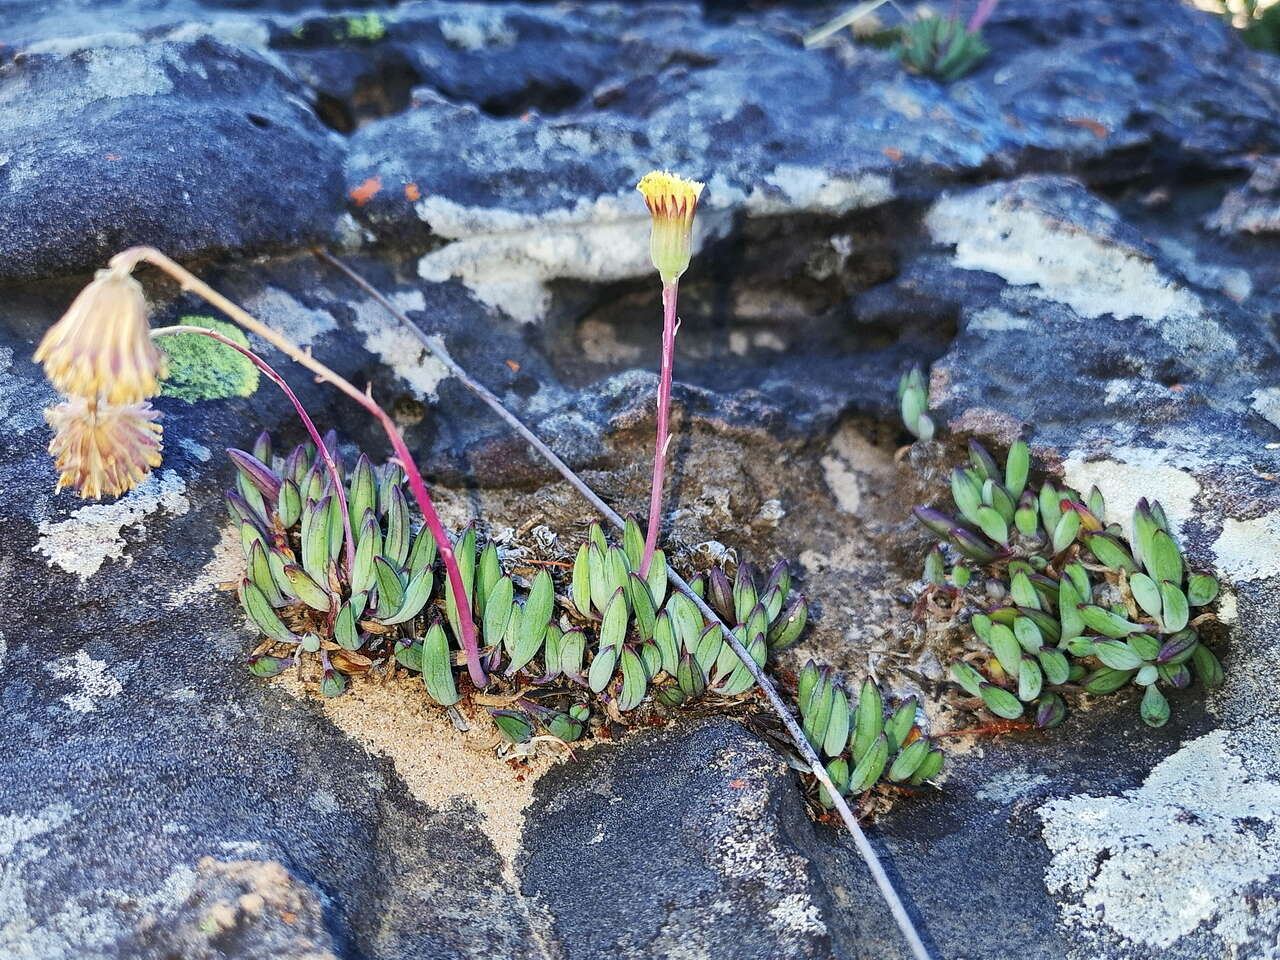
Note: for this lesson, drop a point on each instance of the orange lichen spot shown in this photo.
(515, 367)
(412, 193)
(1093, 126)
(893, 153)
(366, 191)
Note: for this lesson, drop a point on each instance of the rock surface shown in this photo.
(1079, 239)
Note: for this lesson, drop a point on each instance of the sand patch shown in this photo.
(441, 767)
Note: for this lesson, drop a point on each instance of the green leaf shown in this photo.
(613, 627)
(1165, 562)
(656, 579)
(390, 589)
(633, 543)
(1106, 622)
(1001, 702)
(344, 629)
(1111, 552)
(1028, 634)
(929, 768)
(601, 671)
(690, 677)
(1054, 665)
(1117, 655)
(868, 720)
(465, 555)
(261, 613)
(709, 647)
(1006, 648)
(263, 665)
(332, 683)
(871, 766)
(538, 609)
(838, 773)
(686, 620)
(1065, 532)
(664, 637)
(487, 574)
(817, 717)
(437, 667)
(970, 679)
(598, 575)
(416, 596)
(497, 612)
(635, 680)
(838, 728)
(788, 627)
(1023, 593)
(641, 605)
(395, 545)
(423, 554)
(514, 725)
(289, 504)
(1016, 467)
(1147, 594)
(1202, 588)
(572, 650)
(1106, 680)
(1206, 666)
(364, 490)
(1155, 708)
(1030, 680)
(967, 494)
(580, 583)
(993, 525)
(900, 723)
(1176, 611)
(1050, 506)
(306, 589)
(908, 761)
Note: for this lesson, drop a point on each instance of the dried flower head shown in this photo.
(103, 449)
(102, 345)
(672, 200)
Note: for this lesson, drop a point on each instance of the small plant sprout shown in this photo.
(101, 355)
(913, 401)
(943, 47)
(672, 202)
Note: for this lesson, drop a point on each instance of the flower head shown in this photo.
(102, 345)
(103, 449)
(672, 201)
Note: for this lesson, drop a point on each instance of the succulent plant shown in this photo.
(913, 401)
(606, 637)
(1079, 606)
(867, 741)
(941, 47)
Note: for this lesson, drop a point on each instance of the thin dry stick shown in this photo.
(435, 345)
(307, 422)
(128, 259)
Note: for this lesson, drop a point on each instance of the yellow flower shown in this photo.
(102, 345)
(672, 200)
(103, 449)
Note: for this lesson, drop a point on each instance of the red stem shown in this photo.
(443, 544)
(257, 361)
(664, 408)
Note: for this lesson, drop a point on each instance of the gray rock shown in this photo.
(1076, 239)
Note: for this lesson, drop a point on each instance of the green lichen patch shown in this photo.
(200, 368)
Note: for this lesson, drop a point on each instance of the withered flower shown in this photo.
(672, 200)
(103, 449)
(102, 345)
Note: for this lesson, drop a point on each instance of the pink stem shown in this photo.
(669, 324)
(469, 643)
(279, 381)
(981, 15)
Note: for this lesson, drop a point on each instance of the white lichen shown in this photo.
(1249, 549)
(1130, 473)
(1095, 277)
(1176, 854)
(92, 535)
(386, 338)
(92, 679)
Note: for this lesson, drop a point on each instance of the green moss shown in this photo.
(370, 27)
(200, 368)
